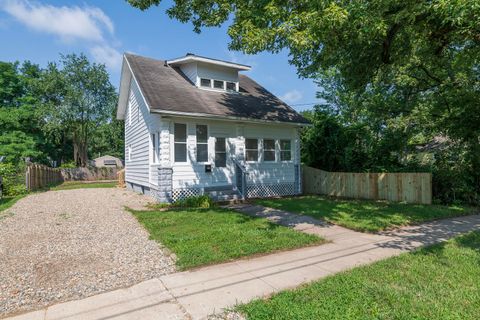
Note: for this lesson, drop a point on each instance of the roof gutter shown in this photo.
(225, 118)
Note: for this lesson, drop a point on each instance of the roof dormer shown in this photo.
(210, 74)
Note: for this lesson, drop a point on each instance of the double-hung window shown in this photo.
(180, 142)
(268, 150)
(251, 149)
(202, 143)
(220, 153)
(285, 150)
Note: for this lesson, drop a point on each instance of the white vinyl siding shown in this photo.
(192, 174)
(190, 71)
(137, 139)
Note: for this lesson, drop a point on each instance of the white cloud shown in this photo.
(68, 23)
(107, 55)
(292, 96)
(86, 24)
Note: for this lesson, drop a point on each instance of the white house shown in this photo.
(196, 125)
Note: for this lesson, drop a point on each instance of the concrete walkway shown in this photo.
(199, 293)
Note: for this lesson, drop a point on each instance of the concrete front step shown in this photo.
(226, 197)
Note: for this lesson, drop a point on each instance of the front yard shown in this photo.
(70, 185)
(7, 202)
(366, 216)
(438, 282)
(206, 236)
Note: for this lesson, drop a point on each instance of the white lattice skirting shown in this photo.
(180, 194)
(270, 190)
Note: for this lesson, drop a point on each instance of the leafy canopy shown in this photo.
(392, 73)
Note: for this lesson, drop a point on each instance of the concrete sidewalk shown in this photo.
(199, 293)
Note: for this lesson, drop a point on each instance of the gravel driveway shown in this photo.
(63, 245)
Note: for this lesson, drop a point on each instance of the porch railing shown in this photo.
(240, 178)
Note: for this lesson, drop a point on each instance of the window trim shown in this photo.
(280, 150)
(274, 150)
(153, 145)
(207, 143)
(186, 143)
(223, 84)
(234, 86)
(223, 88)
(258, 150)
(202, 86)
(129, 152)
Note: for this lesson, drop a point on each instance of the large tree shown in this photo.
(408, 69)
(20, 135)
(419, 54)
(79, 100)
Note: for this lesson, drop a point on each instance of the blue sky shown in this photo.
(38, 30)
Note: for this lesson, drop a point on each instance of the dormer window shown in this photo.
(217, 84)
(210, 74)
(207, 83)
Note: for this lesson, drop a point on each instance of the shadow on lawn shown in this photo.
(409, 238)
(364, 215)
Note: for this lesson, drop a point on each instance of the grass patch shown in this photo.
(7, 202)
(70, 185)
(366, 216)
(438, 282)
(206, 236)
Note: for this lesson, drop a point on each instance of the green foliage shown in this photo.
(68, 165)
(453, 179)
(430, 283)
(71, 185)
(7, 202)
(393, 72)
(57, 112)
(203, 201)
(85, 100)
(206, 236)
(13, 179)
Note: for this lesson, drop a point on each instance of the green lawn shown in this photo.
(206, 236)
(7, 202)
(439, 282)
(367, 216)
(84, 185)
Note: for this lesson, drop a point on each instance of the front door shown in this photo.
(221, 169)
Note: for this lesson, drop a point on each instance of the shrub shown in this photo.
(68, 165)
(13, 179)
(203, 201)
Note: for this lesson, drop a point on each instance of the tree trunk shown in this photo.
(79, 151)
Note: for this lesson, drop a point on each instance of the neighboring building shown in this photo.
(107, 161)
(194, 125)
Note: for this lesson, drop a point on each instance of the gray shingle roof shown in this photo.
(166, 88)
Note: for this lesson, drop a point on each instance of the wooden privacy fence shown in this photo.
(408, 187)
(39, 176)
